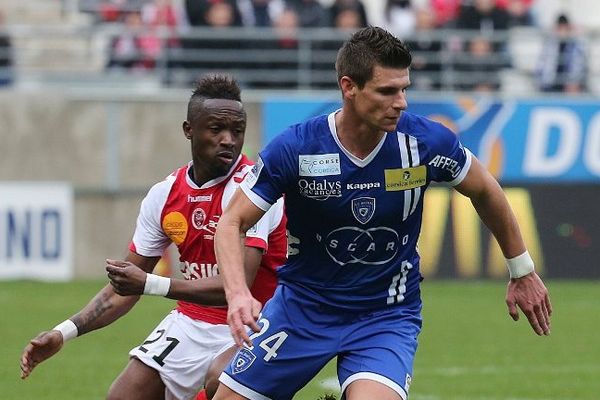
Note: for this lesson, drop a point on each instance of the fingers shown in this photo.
(512, 310)
(114, 271)
(117, 263)
(25, 365)
(548, 304)
(239, 331)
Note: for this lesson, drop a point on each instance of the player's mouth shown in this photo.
(225, 156)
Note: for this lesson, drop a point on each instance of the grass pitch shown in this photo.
(469, 349)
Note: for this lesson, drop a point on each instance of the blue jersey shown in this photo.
(354, 223)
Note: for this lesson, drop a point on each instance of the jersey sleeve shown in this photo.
(274, 170)
(149, 239)
(257, 236)
(450, 160)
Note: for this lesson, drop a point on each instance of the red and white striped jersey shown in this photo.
(177, 210)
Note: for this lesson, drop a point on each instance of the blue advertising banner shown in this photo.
(520, 141)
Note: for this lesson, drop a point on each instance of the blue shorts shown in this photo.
(299, 336)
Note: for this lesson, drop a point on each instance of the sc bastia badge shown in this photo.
(363, 209)
(242, 360)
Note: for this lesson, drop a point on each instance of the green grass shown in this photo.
(470, 349)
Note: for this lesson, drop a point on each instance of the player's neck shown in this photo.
(199, 175)
(356, 136)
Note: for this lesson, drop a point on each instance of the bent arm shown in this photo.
(210, 291)
(108, 306)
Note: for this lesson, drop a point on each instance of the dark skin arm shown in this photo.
(106, 307)
(129, 280)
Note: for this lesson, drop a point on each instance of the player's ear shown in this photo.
(187, 129)
(347, 86)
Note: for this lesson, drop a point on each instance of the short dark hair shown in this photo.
(213, 86)
(366, 48)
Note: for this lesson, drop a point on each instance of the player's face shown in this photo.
(217, 135)
(383, 98)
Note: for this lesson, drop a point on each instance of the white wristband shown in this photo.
(157, 285)
(520, 265)
(68, 329)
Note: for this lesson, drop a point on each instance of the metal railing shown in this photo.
(262, 58)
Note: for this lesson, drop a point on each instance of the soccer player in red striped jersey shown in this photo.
(183, 209)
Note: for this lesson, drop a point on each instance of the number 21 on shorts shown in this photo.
(270, 344)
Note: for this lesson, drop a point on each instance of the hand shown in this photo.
(126, 278)
(530, 294)
(243, 310)
(42, 347)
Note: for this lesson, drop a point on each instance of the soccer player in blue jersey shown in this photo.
(353, 183)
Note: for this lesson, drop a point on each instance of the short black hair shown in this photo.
(366, 48)
(213, 86)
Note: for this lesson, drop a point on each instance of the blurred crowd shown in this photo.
(156, 33)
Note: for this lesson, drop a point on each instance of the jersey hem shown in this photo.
(241, 389)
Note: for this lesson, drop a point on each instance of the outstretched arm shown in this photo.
(106, 307)
(129, 280)
(525, 289)
(243, 309)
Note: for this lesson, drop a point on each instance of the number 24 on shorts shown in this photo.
(270, 344)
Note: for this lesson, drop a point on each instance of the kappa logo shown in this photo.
(319, 164)
(363, 209)
(363, 186)
(242, 361)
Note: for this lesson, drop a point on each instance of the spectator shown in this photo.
(479, 67)
(519, 12)
(483, 16)
(260, 12)
(347, 7)
(196, 11)
(202, 53)
(426, 51)
(399, 18)
(282, 70)
(348, 20)
(135, 47)
(445, 11)
(312, 14)
(6, 58)
(563, 64)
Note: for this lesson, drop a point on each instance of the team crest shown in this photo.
(242, 361)
(198, 217)
(363, 209)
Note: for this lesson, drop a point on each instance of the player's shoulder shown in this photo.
(425, 130)
(160, 191)
(305, 133)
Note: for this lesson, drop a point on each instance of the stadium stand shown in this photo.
(158, 43)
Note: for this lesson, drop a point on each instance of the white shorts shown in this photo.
(181, 350)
